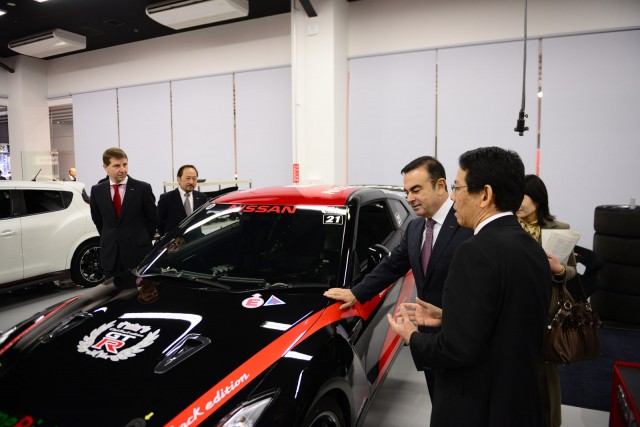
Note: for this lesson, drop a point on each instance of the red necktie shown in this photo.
(117, 201)
(426, 247)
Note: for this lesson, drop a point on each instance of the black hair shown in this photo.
(183, 167)
(534, 188)
(432, 165)
(502, 169)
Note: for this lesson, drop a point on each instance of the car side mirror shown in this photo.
(376, 254)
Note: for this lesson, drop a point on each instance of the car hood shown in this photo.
(111, 356)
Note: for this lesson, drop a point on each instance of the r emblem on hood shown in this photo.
(117, 343)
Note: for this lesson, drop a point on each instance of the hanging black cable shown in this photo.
(520, 127)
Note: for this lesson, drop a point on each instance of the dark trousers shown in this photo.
(122, 276)
(428, 374)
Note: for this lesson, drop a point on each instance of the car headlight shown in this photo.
(246, 415)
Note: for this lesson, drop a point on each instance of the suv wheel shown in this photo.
(86, 269)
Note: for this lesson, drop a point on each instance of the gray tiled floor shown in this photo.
(403, 400)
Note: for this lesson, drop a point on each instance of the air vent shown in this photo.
(179, 14)
(48, 43)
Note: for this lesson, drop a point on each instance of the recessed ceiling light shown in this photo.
(41, 1)
(2, 12)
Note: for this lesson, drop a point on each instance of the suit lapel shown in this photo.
(444, 236)
(415, 245)
(105, 188)
(198, 201)
(129, 194)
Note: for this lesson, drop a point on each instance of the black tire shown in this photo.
(86, 268)
(619, 250)
(616, 307)
(617, 220)
(624, 279)
(325, 413)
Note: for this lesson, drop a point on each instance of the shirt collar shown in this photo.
(124, 182)
(182, 192)
(488, 220)
(441, 214)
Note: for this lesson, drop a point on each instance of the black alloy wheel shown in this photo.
(86, 268)
(325, 413)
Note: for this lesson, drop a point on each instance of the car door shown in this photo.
(11, 268)
(49, 228)
(376, 226)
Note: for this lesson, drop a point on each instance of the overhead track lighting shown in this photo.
(179, 14)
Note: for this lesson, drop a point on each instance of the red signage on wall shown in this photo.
(296, 173)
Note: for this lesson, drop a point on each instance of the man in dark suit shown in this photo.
(425, 183)
(176, 205)
(124, 212)
(494, 305)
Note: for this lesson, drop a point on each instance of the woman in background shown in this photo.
(534, 216)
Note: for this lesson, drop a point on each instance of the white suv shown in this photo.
(46, 234)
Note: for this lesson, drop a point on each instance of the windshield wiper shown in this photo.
(207, 280)
(242, 280)
(296, 285)
(193, 277)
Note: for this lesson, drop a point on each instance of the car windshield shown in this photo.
(253, 245)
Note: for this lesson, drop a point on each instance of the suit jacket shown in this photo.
(407, 256)
(487, 353)
(128, 237)
(171, 209)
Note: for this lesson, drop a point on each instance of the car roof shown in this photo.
(53, 185)
(321, 195)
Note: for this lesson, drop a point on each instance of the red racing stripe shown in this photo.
(393, 340)
(36, 323)
(229, 386)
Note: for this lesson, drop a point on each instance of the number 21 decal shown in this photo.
(332, 219)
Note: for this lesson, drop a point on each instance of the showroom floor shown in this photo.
(403, 399)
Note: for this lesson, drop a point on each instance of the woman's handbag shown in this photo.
(573, 335)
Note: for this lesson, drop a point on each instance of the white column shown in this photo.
(28, 113)
(319, 92)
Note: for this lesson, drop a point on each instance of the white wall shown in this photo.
(383, 26)
(375, 26)
(256, 44)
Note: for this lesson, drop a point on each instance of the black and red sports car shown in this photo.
(228, 325)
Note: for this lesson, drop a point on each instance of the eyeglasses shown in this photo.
(455, 188)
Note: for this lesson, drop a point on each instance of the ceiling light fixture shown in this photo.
(179, 14)
(48, 43)
(2, 12)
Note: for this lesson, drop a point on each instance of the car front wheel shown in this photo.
(325, 413)
(86, 269)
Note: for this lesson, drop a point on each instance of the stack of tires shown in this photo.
(617, 243)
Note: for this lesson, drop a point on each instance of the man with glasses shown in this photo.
(178, 204)
(426, 248)
(494, 305)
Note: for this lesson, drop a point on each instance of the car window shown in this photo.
(39, 201)
(245, 244)
(374, 226)
(67, 197)
(399, 211)
(5, 204)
